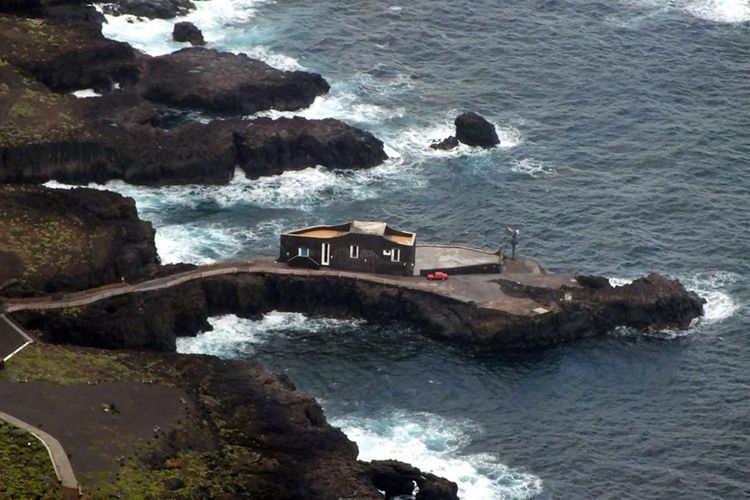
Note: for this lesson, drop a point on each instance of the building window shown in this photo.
(396, 255)
(303, 252)
(354, 251)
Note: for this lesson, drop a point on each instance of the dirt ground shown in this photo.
(93, 438)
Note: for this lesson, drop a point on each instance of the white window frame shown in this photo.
(303, 251)
(396, 255)
(325, 254)
(354, 251)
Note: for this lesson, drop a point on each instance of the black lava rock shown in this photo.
(473, 130)
(446, 144)
(185, 31)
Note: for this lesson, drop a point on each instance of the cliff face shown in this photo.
(52, 240)
(142, 130)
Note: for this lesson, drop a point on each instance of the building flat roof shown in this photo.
(357, 227)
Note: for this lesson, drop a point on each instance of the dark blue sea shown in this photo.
(624, 128)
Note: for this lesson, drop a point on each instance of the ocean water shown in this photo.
(624, 150)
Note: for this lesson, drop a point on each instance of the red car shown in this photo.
(440, 275)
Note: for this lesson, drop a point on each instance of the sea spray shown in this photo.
(437, 445)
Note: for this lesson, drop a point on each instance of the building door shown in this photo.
(325, 254)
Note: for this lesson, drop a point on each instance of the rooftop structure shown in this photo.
(365, 246)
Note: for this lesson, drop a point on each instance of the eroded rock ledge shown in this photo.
(54, 240)
(147, 128)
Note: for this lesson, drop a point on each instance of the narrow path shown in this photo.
(478, 288)
(57, 454)
(254, 266)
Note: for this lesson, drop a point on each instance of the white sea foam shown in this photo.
(206, 242)
(232, 335)
(221, 21)
(720, 11)
(713, 287)
(341, 105)
(302, 189)
(621, 281)
(436, 444)
(532, 168)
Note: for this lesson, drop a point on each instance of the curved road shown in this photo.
(481, 289)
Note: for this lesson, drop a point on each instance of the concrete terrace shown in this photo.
(480, 289)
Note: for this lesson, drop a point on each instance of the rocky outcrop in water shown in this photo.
(446, 144)
(264, 146)
(471, 129)
(185, 31)
(474, 130)
(219, 82)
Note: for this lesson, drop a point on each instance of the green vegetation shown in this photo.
(34, 114)
(190, 474)
(46, 243)
(70, 365)
(25, 466)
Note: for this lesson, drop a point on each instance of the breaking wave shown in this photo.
(234, 337)
(436, 444)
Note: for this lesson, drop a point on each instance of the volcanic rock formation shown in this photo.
(471, 129)
(185, 31)
(143, 129)
(57, 239)
(152, 9)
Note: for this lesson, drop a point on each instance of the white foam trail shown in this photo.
(712, 286)
(720, 11)
(233, 336)
(435, 444)
(85, 93)
(302, 189)
(342, 106)
(532, 168)
(207, 242)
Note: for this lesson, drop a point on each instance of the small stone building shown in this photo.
(371, 247)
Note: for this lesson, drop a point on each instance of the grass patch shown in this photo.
(189, 474)
(68, 365)
(25, 467)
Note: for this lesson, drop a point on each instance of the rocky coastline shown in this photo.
(154, 124)
(180, 118)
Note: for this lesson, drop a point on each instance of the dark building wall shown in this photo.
(370, 260)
